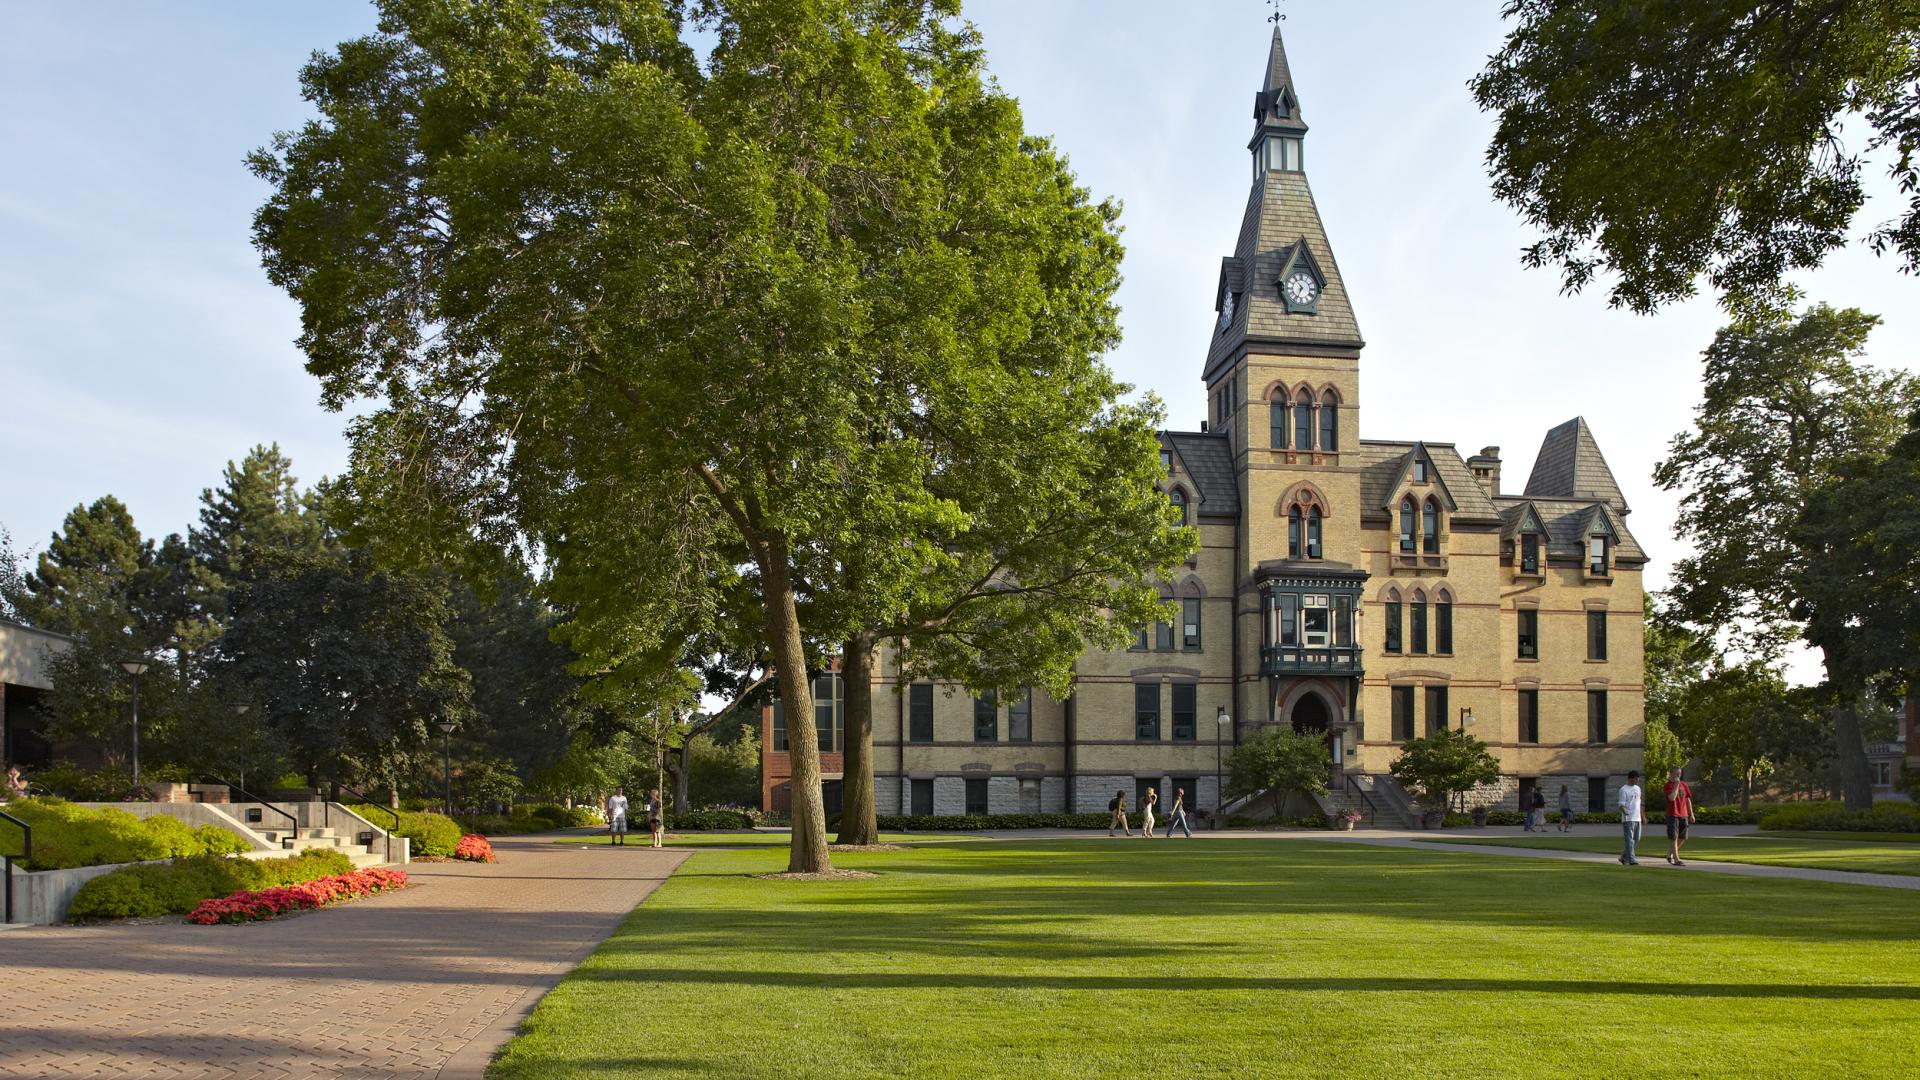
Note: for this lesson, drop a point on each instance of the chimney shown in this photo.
(1203, 427)
(1486, 468)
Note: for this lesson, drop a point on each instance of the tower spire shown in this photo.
(1278, 126)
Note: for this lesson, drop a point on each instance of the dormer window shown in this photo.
(1407, 514)
(1529, 553)
(1430, 527)
(1419, 470)
(1179, 500)
(1166, 460)
(1597, 555)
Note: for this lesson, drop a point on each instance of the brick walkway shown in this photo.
(427, 982)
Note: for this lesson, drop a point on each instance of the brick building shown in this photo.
(1371, 589)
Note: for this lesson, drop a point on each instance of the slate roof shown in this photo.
(1207, 460)
(1568, 522)
(1571, 466)
(1280, 78)
(1385, 464)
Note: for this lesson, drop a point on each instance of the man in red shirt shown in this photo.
(1679, 815)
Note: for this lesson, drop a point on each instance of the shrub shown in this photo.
(715, 819)
(66, 836)
(473, 849)
(1835, 817)
(1505, 817)
(432, 834)
(176, 888)
(252, 906)
(896, 823)
(493, 824)
(560, 817)
(215, 840)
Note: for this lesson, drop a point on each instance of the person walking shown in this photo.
(1177, 819)
(656, 816)
(617, 817)
(1537, 810)
(1566, 809)
(1146, 812)
(1679, 815)
(1117, 806)
(1629, 800)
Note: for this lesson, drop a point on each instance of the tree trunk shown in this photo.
(1856, 783)
(1746, 788)
(859, 821)
(680, 782)
(808, 854)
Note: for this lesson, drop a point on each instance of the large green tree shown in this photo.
(1659, 142)
(1787, 408)
(1744, 719)
(1279, 761)
(635, 311)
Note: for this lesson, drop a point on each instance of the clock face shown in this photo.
(1301, 288)
(1226, 311)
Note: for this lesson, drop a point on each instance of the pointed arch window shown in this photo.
(1406, 525)
(1417, 639)
(1277, 421)
(1294, 546)
(1329, 422)
(1430, 528)
(1393, 622)
(1443, 623)
(1303, 421)
(1313, 532)
(1179, 500)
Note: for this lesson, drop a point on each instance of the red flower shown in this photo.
(255, 905)
(474, 848)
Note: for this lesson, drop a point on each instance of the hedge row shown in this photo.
(1835, 817)
(921, 823)
(528, 818)
(432, 834)
(706, 819)
(178, 887)
(66, 836)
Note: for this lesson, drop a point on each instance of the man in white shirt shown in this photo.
(1630, 798)
(617, 816)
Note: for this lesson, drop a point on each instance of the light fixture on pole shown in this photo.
(135, 668)
(446, 762)
(1221, 723)
(241, 711)
(1466, 717)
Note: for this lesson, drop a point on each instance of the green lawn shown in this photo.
(1870, 837)
(1858, 851)
(749, 839)
(1237, 959)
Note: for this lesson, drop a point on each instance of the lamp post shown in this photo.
(241, 711)
(135, 669)
(446, 763)
(1221, 721)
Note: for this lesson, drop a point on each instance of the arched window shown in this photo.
(1277, 421)
(1329, 422)
(1406, 525)
(1293, 533)
(1303, 421)
(1179, 500)
(1391, 605)
(1313, 532)
(1417, 624)
(1430, 528)
(1443, 622)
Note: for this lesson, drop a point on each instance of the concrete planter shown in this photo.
(41, 898)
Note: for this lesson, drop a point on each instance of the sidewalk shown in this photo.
(426, 982)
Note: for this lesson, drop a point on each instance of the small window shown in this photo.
(1443, 628)
(1436, 709)
(1529, 716)
(1529, 633)
(1430, 528)
(1277, 423)
(1179, 500)
(1343, 622)
(779, 728)
(920, 797)
(827, 718)
(1402, 713)
(1407, 514)
(986, 718)
(1419, 470)
(976, 798)
(1146, 711)
(920, 712)
(1597, 556)
(1329, 422)
(1185, 709)
(1529, 553)
(1190, 624)
(1313, 532)
(1419, 635)
(1393, 626)
(1596, 716)
(1166, 460)
(1020, 718)
(1139, 641)
(1303, 421)
(1315, 620)
(1289, 619)
(1294, 546)
(1163, 636)
(1596, 635)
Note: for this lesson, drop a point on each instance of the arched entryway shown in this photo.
(1310, 713)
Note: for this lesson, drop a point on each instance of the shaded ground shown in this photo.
(401, 985)
(1235, 958)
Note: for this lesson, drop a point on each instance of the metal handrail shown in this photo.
(26, 853)
(251, 797)
(1372, 811)
(367, 801)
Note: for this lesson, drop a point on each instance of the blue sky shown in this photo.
(141, 346)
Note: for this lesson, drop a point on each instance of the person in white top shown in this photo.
(617, 816)
(1630, 798)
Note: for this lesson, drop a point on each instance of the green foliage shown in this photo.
(556, 816)
(432, 834)
(174, 888)
(490, 782)
(1835, 817)
(1664, 752)
(1445, 764)
(710, 819)
(977, 822)
(214, 840)
(1663, 142)
(724, 773)
(66, 836)
(1280, 761)
(1746, 719)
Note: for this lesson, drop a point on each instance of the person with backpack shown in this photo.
(1118, 808)
(1178, 818)
(1537, 811)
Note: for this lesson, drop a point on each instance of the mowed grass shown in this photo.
(1856, 852)
(1234, 958)
(748, 839)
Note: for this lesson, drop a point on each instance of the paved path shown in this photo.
(426, 982)
(1656, 863)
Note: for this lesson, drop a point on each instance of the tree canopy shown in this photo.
(1662, 142)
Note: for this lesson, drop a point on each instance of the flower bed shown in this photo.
(473, 848)
(256, 905)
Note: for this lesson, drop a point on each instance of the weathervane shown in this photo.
(1278, 16)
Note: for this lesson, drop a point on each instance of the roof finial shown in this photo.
(1278, 16)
